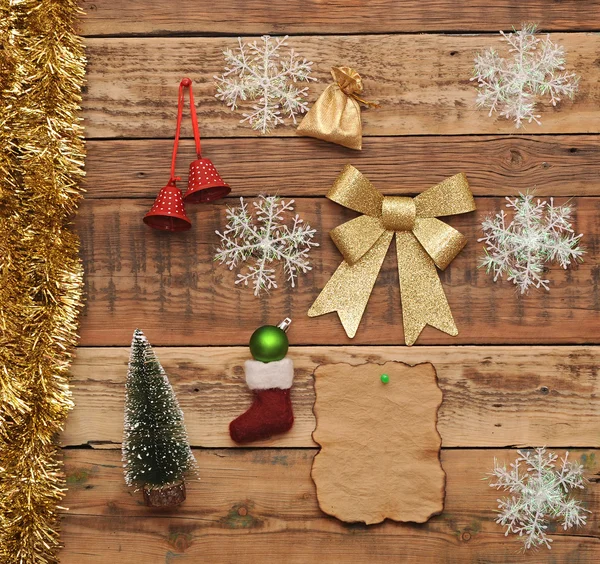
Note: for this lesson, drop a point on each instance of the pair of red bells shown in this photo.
(204, 182)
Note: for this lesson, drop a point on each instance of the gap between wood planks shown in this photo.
(103, 445)
(357, 346)
(291, 35)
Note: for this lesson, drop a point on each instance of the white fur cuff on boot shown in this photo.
(267, 375)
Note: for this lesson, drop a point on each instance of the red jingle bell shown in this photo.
(204, 183)
(168, 212)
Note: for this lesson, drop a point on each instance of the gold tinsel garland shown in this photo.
(41, 163)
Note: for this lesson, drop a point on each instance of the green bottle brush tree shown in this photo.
(156, 452)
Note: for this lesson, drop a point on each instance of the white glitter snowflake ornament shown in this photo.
(265, 241)
(540, 492)
(257, 71)
(539, 233)
(512, 87)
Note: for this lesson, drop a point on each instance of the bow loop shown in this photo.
(353, 190)
(441, 241)
(450, 197)
(422, 243)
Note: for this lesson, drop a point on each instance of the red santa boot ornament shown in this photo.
(270, 376)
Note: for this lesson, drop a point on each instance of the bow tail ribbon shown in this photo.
(423, 299)
(350, 286)
(423, 243)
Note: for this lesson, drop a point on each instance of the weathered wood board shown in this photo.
(423, 86)
(493, 396)
(260, 506)
(547, 165)
(156, 17)
(136, 276)
(522, 372)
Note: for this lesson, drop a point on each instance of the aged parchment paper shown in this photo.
(380, 447)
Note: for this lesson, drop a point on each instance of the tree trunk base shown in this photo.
(168, 496)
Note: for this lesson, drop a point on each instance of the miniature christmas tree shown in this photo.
(156, 451)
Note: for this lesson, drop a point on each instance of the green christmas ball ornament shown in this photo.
(385, 378)
(269, 343)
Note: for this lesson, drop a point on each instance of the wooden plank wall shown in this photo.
(522, 372)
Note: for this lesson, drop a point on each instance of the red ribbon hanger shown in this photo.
(185, 83)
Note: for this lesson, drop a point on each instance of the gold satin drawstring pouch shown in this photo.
(335, 116)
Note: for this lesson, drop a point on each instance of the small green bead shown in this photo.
(269, 343)
(385, 378)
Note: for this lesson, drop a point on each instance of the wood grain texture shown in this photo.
(137, 276)
(552, 165)
(260, 507)
(156, 17)
(493, 396)
(422, 83)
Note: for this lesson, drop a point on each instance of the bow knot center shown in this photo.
(398, 213)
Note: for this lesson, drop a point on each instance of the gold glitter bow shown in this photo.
(335, 116)
(422, 243)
